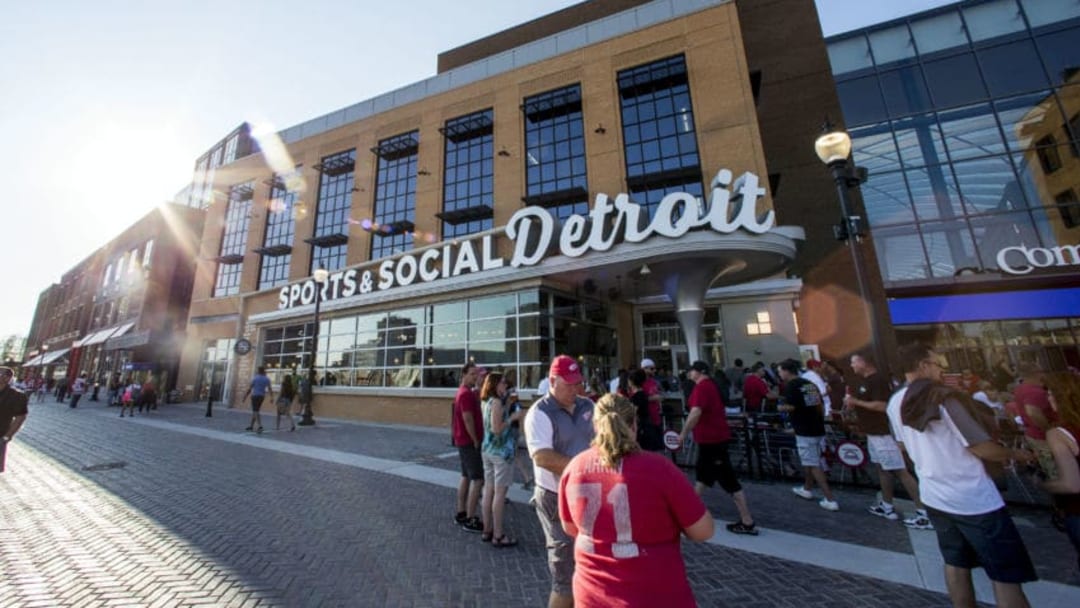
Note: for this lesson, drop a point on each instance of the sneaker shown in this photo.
(460, 519)
(919, 522)
(473, 524)
(741, 528)
(829, 505)
(802, 492)
(881, 510)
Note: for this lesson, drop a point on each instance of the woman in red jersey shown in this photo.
(627, 509)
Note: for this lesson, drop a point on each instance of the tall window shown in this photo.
(234, 241)
(332, 216)
(276, 251)
(555, 152)
(468, 186)
(395, 194)
(148, 253)
(658, 130)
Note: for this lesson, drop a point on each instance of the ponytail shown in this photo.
(613, 420)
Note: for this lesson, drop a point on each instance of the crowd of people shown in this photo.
(613, 507)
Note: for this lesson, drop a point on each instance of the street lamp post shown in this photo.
(833, 147)
(319, 276)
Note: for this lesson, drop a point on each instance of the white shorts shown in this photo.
(809, 450)
(498, 471)
(885, 452)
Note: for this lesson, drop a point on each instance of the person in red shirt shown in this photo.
(468, 432)
(1033, 403)
(626, 509)
(652, 391)
(708, 423)
(754, 389)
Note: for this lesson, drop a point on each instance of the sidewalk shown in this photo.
(851, 540)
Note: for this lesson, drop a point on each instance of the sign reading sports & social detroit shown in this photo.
(731, 207)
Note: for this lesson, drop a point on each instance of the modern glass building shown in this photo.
(968, 118)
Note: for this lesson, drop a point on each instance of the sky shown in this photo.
(105, 105)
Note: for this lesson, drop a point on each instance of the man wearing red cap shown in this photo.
(557, 428)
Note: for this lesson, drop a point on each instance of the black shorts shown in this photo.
(256, 402)
(990, 540)
(472, 466)
(714, 465)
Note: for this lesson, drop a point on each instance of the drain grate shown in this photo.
(105, 466)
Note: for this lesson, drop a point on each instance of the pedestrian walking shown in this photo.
(806, 406)
(949, 438)
(627, 509)
(284, 403)
(258, 390)
(77, 389)
(13, 411)
(708, 423)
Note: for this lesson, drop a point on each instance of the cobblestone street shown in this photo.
(174, 509)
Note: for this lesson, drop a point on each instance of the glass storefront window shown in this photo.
(934, 193)
(992, 19)
(404, 349)
(989, 185)
(1028, 118)
(885, 198)
(900, 254)
(919, 141)
(950, 248)
(1012, 68)
(938, 33)
(496, 306)
(892, 44)
(954, 81)
(873, 147)
(996, 232)
(1043, 12)
(849, 55)
(861, 102)
(971, 132)
(905, 91)
(1061, 54)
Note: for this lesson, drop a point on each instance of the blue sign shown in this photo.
(140, 367)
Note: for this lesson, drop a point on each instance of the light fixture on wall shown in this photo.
(645, 270)
(600, 129)
(504, 152)
(423, 172)
(760, 326)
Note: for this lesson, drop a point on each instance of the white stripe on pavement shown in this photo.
(922, 569)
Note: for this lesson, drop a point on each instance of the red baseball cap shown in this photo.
(565, 367)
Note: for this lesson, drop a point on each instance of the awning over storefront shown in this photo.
(48, 358)
(1041, 304)
(32, 361)
(115, 342)
(97, 337)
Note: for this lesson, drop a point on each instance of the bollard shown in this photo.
(210, 402)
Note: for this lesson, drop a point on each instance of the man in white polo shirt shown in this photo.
(946, 434)
(557, 428)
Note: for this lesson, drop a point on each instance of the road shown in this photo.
(175, 509)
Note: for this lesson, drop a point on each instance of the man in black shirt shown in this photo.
(871, 397)
(804, 402)
(13, 410)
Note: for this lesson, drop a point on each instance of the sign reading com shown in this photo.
(1020, 259)
(732, 207)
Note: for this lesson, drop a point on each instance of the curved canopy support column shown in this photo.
(685, 283)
